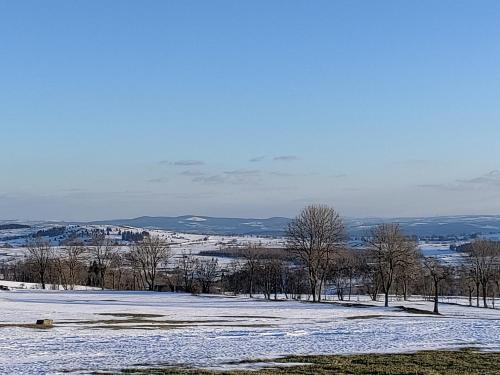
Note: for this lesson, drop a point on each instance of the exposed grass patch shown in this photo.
(153, 326)
(25, 325)
(141, 320)
(248, 317)
(366, 317)
(351, 304)
(414, 310)
(131, 315)
(465, 361)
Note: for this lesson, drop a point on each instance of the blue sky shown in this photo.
(229, 108)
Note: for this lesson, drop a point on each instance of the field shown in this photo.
(111, 331)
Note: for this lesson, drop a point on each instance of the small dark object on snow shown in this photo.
(45, 322)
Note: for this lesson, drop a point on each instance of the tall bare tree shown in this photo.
(437, 272)
(313, 237)
(149, 254)
(41, 254)
(186, 265)
(389, 253)
(252, 255)
(102, 252)
(410, 269)
(73, 256)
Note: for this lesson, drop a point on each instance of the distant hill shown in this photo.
(206, 225)
(13, 226)
(275, 226)
(445, 226)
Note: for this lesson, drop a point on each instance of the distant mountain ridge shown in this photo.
(206, 225)
(464, 225)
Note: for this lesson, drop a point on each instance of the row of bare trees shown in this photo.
(390, 263)
(102, 263)
(316, 262)
(92, 263)
(482, 269)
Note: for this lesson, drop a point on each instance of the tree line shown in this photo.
(316, 262)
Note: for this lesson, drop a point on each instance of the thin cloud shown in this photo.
(188, 163)
(182, 163)
(257, 159)
(490, 178)
(488, 181)
(192, 173)
(281, 174)
(214, 179)
(236, 177)
(243, 172)
(157, 180)
(414, 162)
(286, 158)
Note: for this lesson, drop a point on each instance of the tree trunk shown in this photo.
(477, 294)
(485, 296)
(319, 291)
(313, 290)
(436, 297)
(102, 280)
(251, 287)
(350, 287)
(386, 299)
(42, 279)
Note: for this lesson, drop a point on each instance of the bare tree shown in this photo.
(495, 283)
(483, 258)
(389, 249)
(207, 273)
(437, 272)
(466, 279)
(313, 237)
(73, 255)
(348, 264)
(149, 254)
(102, 250)
(41, 254)
(61, 272)
(410, 269)
(117, 268)
(271, 276)
(186, 270)
(252, 256)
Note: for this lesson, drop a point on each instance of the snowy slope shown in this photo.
(211, 331)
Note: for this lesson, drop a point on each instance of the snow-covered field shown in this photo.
(93, 331)
(180, 243)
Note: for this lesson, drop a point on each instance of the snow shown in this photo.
(195, 218)
(12, 285)
(180, 243)
(210, 331)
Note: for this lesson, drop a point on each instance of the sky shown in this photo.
(116, 109)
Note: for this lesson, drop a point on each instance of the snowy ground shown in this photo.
(180, 243)
(210, 331)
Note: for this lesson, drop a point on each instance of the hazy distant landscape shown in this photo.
(447, 226)
(250, 187)
(427, 227)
